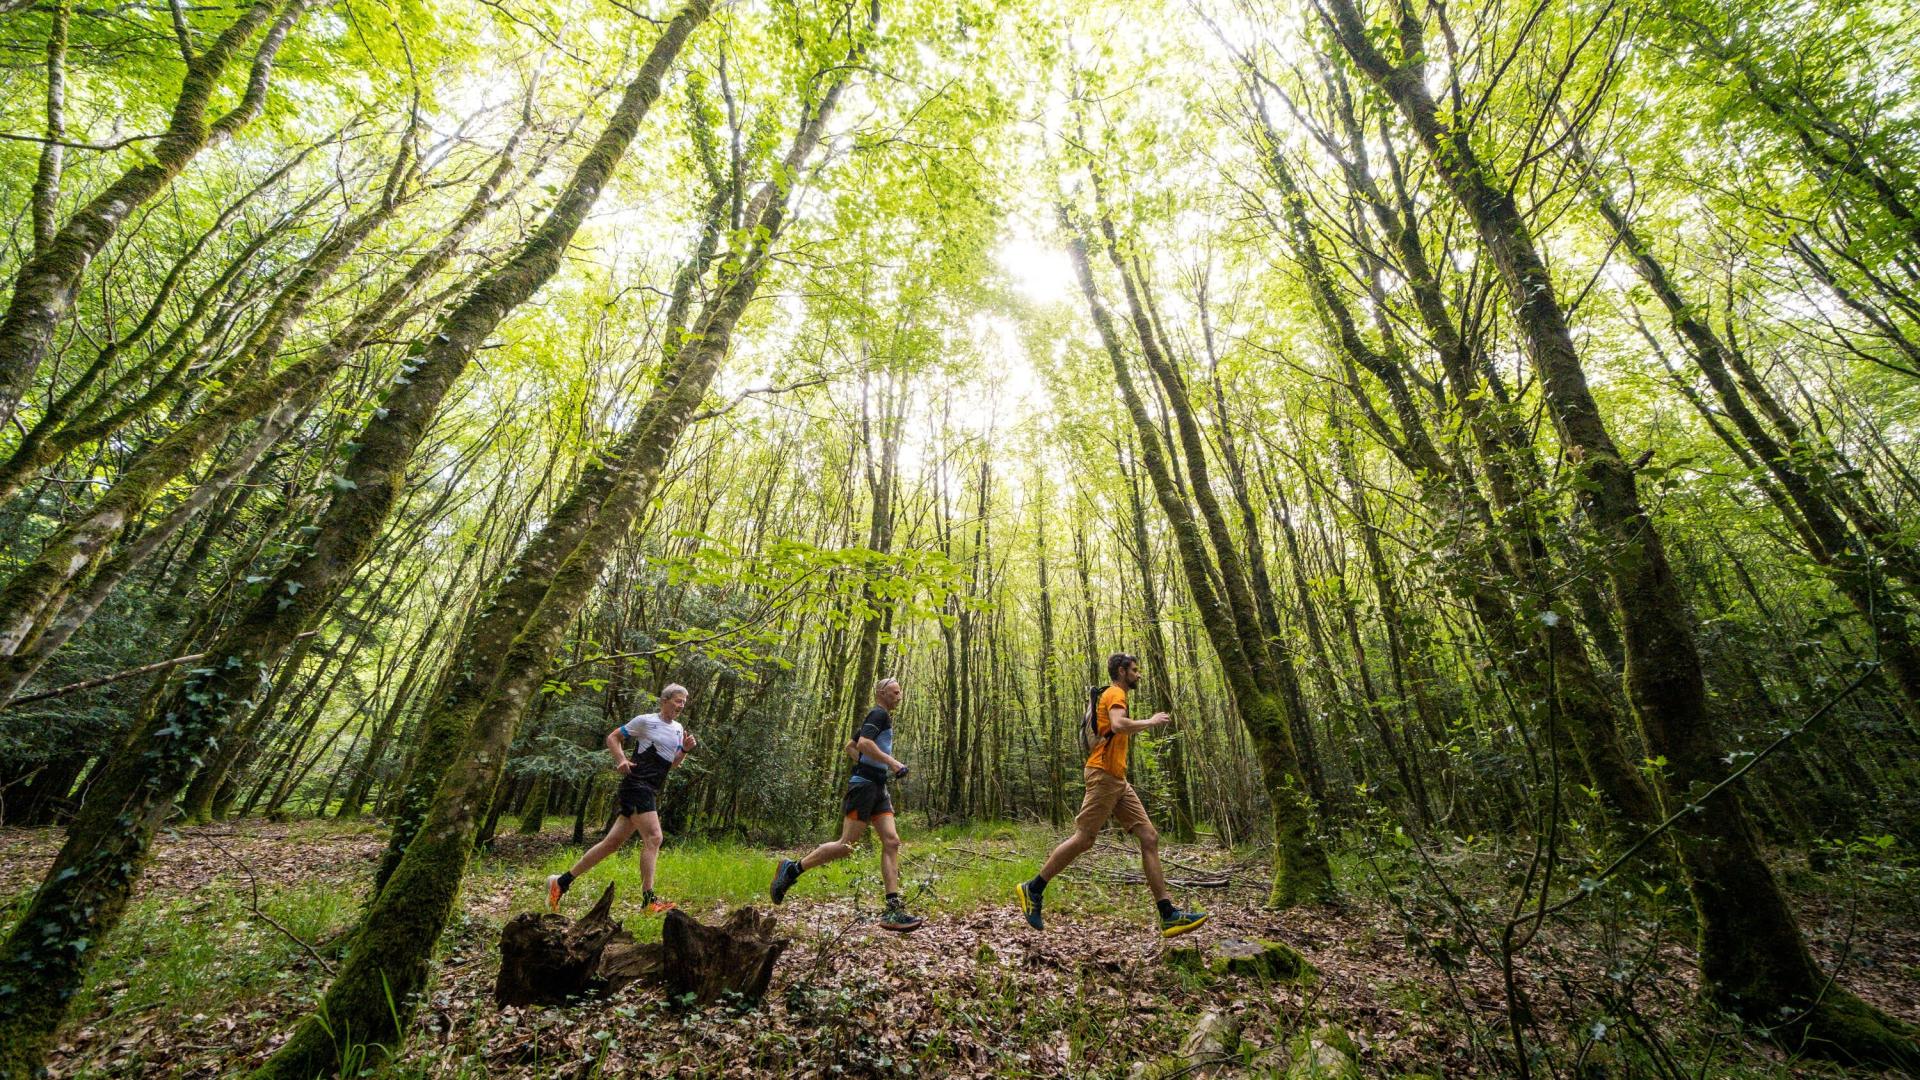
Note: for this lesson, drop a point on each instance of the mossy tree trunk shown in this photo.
(1543, 651)
(1301, 873)
(44, 289)
(374, 995)
(1753, 959)
(490, 633)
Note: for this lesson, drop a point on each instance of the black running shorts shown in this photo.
(637, 797)
(865, 800)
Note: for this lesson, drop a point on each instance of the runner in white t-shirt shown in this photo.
(660, 743)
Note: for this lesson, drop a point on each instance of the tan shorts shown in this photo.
(1109, 798)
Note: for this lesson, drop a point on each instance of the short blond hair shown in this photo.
(884, 683)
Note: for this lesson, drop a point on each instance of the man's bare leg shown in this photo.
(896, 917)
(558, 884)
(889, 852)
(1074, 846)
(649, 826)
(852, 831)
(1149, 838)
(788, 871)
(1070, 849)
(623, 827)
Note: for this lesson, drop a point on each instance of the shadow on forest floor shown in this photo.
(195, 985)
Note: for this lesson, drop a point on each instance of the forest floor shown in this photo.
(198, 983)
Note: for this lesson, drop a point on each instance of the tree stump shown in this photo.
(547, 960)
(708, 961)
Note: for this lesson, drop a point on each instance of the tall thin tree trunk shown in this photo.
(1752, 956)
(1301, 872)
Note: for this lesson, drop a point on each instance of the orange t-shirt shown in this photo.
(1111, 754)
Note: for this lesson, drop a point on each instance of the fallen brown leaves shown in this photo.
(185, 859)
(972, 994)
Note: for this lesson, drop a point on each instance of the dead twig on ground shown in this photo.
(254, 883)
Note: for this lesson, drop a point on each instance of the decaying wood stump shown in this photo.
(547, 960)
(708, 961)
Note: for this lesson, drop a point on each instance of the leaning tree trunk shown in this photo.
(43, 291)
(85, 893)
(1552, 664)
(514, 599)
(1753, 959)
(1272, 667)
(397, 937)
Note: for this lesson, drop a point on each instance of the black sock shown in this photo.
(893, 899)
(566, 880)
(1166, 909)
(1038, 885)
(798, 868)
(646, 896)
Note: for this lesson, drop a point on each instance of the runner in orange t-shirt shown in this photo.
(1110, 798)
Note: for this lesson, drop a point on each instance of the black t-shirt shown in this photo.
(878, 726)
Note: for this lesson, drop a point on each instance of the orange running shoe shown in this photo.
(554, 892)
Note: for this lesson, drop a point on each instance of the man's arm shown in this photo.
(1122, 723)
(687, 742)
(872, 749)
(614, 743)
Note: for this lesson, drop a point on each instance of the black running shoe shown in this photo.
(897, 919)
(784, 876)
(1029, 904)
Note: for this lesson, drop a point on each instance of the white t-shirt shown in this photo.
(666, 737)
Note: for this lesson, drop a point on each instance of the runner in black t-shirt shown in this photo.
(866, 803)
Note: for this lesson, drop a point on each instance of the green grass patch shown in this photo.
(949, 870)
(205, 949)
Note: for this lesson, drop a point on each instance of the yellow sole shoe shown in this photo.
(1024, 902)
(1176, 931)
